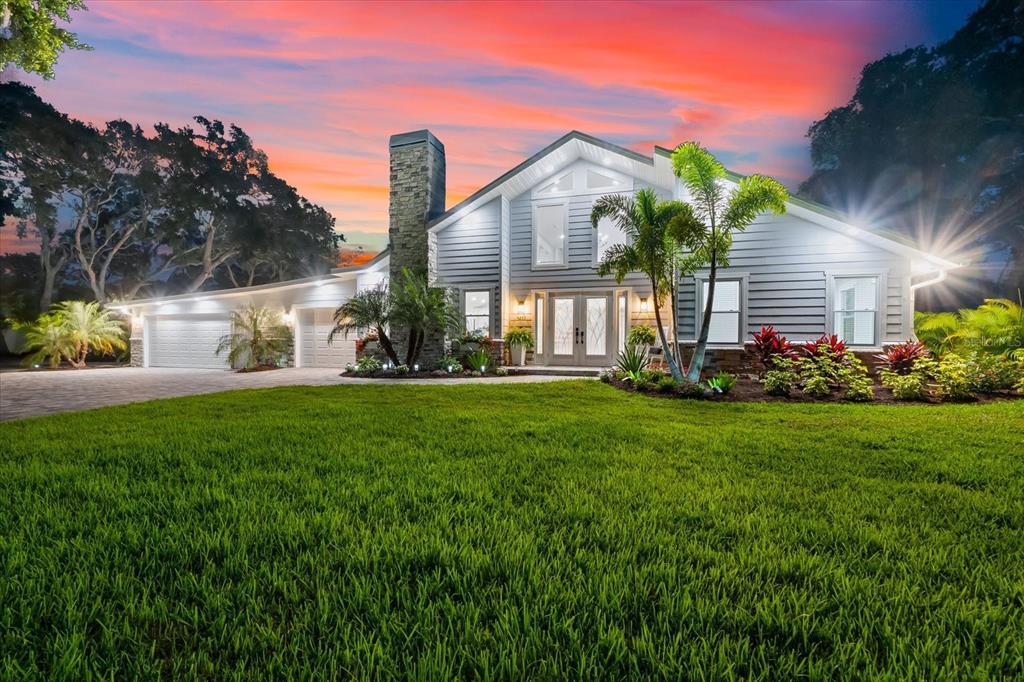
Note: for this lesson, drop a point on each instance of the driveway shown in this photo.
(30, 394)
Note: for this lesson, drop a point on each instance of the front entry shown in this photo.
(580, 329)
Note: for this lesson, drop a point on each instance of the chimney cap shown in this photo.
(415, 137)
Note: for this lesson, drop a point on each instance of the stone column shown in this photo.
(136, 342)
(417, 196)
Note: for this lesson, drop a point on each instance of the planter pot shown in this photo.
(518, 355)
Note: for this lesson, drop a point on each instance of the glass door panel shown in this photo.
(563, 321)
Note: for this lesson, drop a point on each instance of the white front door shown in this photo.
(581, 329)
(315, 326)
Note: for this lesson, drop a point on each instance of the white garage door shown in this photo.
(187, 341)
(315, 325)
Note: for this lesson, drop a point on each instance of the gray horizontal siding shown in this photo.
(788, 261)
(469, 250)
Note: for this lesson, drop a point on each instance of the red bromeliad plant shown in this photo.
(901, 357)
(833, 343)
(770, 346)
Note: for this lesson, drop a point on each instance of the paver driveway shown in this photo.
(29, 394)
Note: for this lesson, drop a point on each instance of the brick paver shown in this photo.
(34, 393)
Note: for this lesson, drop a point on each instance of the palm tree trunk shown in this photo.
(388, 347)
(697, 361)
(410, 349)
(673, 368)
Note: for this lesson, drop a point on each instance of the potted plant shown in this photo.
(641, 336)
(518, 341)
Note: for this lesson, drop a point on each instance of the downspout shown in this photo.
(928, 282)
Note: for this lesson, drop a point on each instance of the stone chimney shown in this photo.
(417, 196)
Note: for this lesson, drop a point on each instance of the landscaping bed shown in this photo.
(550, 531)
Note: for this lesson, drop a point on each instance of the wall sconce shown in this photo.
(521, 310)
(288, 319)
(644, 307)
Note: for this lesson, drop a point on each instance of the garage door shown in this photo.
(315, 325)
(187, 341)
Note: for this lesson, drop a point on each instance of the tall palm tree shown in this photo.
(90, 327)
(720, 213)
(652, 250)
(422, 310)
(368, 309)
(47, 339)
(258, 335)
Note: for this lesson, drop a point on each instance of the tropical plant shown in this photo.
(854, 376)
(519, 337)
(666, 384)
(422, 310)
(988, 373)
(714, 216)
(781, 378)
(770, 345)
(689, 389)
(365, 365)
(502, 371)
(632, 361)
(722, 383)
(905, 386)
(450, 364)
(652, 249)
(368, 309)
(90, 328)
(996, 326)
(479, 360)
(47, 340)
(258, 335)
(900, 358)
(826, 345)
(640, 335)
(401, 369)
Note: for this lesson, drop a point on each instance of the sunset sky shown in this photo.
(320, 86)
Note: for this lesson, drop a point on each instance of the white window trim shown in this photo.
(881, 296)
(699, 280)
(564, 265)
(540, 335)
(578, 169)
(474, 289)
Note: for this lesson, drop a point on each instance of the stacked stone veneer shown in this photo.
(417, 196)
(135, 343)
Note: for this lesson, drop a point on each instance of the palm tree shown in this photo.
(48, 340)
(90, 327)
(996, 326)
(720, 213)
(422, 310)
(368, 309)
(258, 335)
(652, 250)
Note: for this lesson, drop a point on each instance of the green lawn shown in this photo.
(564, 530)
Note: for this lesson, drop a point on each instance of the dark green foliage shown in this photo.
(666, 384)
(722, 382)
(33, 39)
(479, 360)
(551, 531)
(633, 361)
(519, 337)
(990, 373)
(640, 335)
(690, 389)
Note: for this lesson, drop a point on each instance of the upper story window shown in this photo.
(598, 180)
(582, 177)
(562, 183)
(855, 309)
(476, 307)
(606, 236)
(725, 311)
(550, 235)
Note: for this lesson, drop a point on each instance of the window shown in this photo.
(725, 311)
(550, 228)
(607, 235)
(855, 309)
(622, 323)
(597, 180)
(477, 309)
(539, 334)
(563, 184)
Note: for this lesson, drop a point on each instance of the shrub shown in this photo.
(722, 383)
(781, 379)
(905, 386)
(690, 389)
(450, 364)
(479, 360)
(366, 365)
(817, 386)
(633, 361)
(666, 384)
(770, 345)
(605, 376)
(858, 384)
(519, 337)
(952, 381)
(502, 371)
(402, 369)
(640, 336)
(901, 357)
(643, 383)
(990, 373)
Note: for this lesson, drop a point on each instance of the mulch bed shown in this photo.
(435, 374)
(749, 390)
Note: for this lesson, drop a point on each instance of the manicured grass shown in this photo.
(563, 530)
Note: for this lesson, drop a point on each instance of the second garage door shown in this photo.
(187, 340)
(315, 325)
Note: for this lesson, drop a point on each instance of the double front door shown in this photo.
(580, 328)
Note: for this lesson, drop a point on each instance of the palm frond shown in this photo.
(700, 173)
(755, 195)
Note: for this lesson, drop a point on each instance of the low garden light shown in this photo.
(416, 367)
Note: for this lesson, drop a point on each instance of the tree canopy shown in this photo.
(123, 211)
(932, 142)
(31, 38)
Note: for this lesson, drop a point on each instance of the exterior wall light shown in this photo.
(644, 306)
(521, 309)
